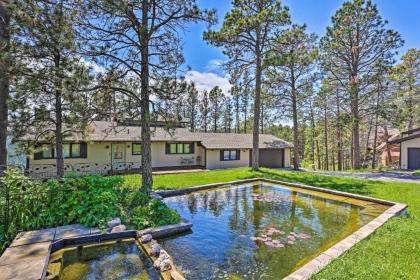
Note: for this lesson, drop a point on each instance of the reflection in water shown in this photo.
(227, 222)
(122, 260)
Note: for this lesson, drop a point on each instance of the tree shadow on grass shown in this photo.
(356, 186)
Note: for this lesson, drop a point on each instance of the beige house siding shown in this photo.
(287, 157)
(413, 143)
(161, 159)
(100, 153)
(96, 153)
(214, 162)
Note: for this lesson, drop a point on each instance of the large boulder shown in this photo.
(119, 228)
(155, 249)
(146, 238)
(114, 222)
(163, 262)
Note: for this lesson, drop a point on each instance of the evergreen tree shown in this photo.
(293, 58)
(354, 42)
(216, 99)
(140, 40)
(246, 37)
(4, 78)
(53, 75)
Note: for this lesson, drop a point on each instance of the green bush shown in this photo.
(89, 200)
(416, 173)
(154, 213)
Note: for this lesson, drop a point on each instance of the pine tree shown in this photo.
(355, 41)
(293, 60)
(53, 75)
(216, 99)
(140, 39)
(246, 36)
(4, 78)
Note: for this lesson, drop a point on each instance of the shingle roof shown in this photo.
(110, 131)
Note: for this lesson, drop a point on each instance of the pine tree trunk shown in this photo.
(326, 135)
(58, 116)
(295, 132)
(237, 113)
(375, 139)
(318, 154)
(4, 81)
(355, 125)
(339, 136)
(146, 153)
(257, 107)
(313, 133)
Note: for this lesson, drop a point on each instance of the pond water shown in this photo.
(260, 231)
(118, 260)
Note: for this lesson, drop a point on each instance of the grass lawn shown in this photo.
(392, 252)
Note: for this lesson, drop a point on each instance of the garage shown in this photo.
(409, 149)
(413, 158)
(271, 158)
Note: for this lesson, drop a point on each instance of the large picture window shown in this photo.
(179, 148)
(70, 150)
(136, 149)
(227, 155)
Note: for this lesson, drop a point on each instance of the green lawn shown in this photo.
(392, 252)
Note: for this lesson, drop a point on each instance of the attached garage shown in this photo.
(413, 158)
(271, 158)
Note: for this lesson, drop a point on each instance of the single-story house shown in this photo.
(111, 146)
(409, 149)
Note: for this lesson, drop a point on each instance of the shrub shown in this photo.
(416, 173)
(155, 213)
(90, 200)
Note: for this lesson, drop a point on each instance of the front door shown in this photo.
(117, 155)
(413, 158)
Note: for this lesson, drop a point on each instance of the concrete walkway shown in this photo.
(389, 176)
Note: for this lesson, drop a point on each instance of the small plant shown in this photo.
(416, 173)
(155, 213)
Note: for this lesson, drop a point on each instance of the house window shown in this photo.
(226, 155)
(179, 148)
(70, 150)
(136, 149)
(47, 151)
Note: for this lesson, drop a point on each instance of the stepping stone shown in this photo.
(71, 231)
(36, 236)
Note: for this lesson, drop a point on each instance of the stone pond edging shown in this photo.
(28, 255)
(323, 259)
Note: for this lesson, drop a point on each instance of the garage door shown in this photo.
(271, 158)
(413, 158)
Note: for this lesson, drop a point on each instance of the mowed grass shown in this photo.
(392, 252)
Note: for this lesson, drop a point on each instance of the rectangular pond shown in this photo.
(122, 259)
(261, 230)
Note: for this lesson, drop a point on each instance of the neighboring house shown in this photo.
(409, 149)
(388, 153)
(110, 146)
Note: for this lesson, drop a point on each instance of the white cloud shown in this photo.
(207, 81)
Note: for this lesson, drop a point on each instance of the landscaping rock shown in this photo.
(155, 249)
(119, 228)
(164, 262)
(146, 238)
(114, 222)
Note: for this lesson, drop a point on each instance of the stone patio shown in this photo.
(27, 257)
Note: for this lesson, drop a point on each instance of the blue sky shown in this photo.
(403, 16)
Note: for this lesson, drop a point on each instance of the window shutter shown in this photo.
(38, 155)
(83, 150)
(221, 155)
(192, 148)
(238, 154)
(167, 148)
